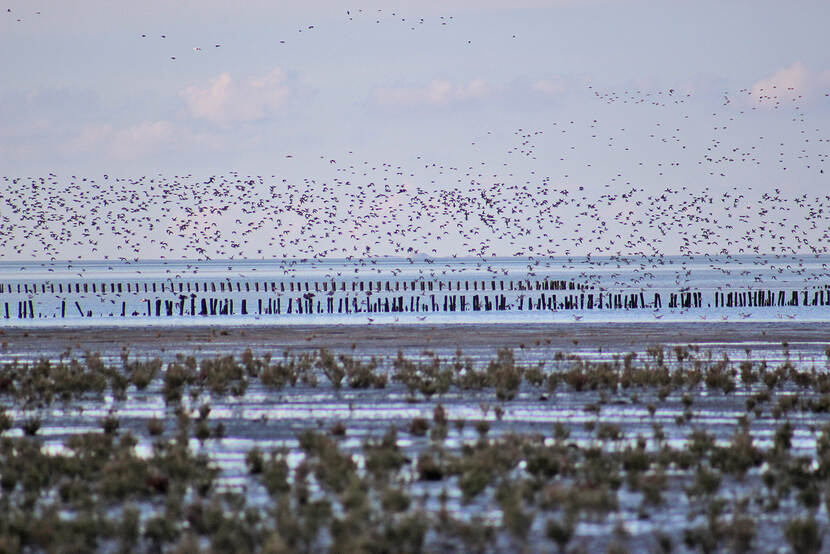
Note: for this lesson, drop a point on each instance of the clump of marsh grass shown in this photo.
(358, 374)
(804, 535)
(223, 374)
(428, 377)
(42, 382)
(288, 371)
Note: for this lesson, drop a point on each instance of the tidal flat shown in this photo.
(570, 437)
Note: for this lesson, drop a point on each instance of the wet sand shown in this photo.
(611, 336)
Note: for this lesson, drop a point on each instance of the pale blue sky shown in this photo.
(83, 93)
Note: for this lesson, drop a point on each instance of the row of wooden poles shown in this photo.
(311, 303)
(287, 286)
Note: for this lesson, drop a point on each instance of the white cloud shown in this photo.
(128, 143)
(437, 92)
(224, 101)
(138, 141)
(785, 83)
(788, 83)
(90, 138)
(548, 86)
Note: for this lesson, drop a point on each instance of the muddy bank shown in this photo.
(611, 336)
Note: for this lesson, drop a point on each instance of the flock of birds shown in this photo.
(513, 204)
(381, 214)
(378, 15)
(17, 19)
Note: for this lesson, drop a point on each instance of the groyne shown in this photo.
(136, 296)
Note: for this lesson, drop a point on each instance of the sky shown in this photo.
(453, 96)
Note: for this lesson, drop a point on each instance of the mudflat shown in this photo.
(626, 437)
(611, 336)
